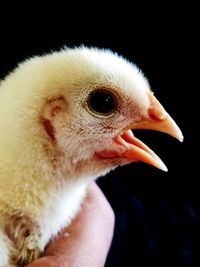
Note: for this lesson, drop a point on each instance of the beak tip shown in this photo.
(160, 165)
(163, 167)
(181, 138)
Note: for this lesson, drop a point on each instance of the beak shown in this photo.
(158, 119)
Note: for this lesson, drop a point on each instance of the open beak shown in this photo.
(158, 119)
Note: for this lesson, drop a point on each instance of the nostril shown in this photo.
(155, 116)
(156, 110)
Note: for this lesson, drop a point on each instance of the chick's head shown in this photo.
(86, 102)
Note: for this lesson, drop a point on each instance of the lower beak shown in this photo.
(158, 119)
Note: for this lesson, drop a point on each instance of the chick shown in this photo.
(66, 119)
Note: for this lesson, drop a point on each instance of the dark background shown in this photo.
(157, 213)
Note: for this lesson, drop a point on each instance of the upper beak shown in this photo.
(158, 119)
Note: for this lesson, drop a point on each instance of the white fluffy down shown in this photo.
(38, 178)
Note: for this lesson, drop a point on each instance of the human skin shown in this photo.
(87, 240)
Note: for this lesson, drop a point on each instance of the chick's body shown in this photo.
(53, 142)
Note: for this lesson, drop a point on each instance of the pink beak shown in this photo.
(135, 149)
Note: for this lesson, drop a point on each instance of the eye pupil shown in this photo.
(102, 102)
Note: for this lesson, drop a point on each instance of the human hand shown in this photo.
(87, 240)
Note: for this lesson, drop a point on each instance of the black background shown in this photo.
(157, 213)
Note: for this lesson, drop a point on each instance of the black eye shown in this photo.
(102, 102)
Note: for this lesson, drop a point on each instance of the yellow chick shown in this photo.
(66, 119)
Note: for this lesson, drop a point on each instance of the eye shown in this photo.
(102, 102)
